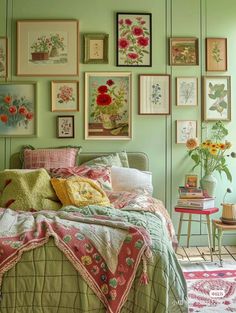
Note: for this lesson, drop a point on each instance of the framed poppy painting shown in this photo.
(134, 39)
(108, 105)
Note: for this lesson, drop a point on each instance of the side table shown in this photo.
(191, 212)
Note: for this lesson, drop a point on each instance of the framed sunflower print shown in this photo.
(216, 54)
(18, 109)
(65, 95)
(47, 47)
(108, 105)
(216, 98)
(134, 39)
(3, 57)
(154, 94)
(183, 51)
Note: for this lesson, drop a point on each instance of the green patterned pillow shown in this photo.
(115, 159)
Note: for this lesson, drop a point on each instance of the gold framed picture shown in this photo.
(96, 48)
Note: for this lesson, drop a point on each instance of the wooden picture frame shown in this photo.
(216, 54)
(3, 57)
(154, 94)
(96, 48)
(191, 181)
(216, 98)
(65, 126)
(134, 39)
(183, 51)
(64, 95)
(185, 129)
(186, 91)
(108, 106)
(18, 109)
(47, 47)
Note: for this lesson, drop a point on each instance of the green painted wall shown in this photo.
(154, 135)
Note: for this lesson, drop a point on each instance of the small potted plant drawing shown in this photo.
(40, 48)
(56, 44)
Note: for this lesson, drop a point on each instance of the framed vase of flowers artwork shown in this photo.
(108, 106)
(154, 94)
(65, 96)
(216, 98)
(47, 47)
(185, 129)
(183, 51)
(3, 57)
(186, 91)
(65, 126)
(134, 39)
(18, 109)
(216, 54)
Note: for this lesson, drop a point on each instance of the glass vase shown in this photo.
(208, 182)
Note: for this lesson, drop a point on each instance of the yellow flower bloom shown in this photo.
(222, 146)
(86, 260)
(213, 151)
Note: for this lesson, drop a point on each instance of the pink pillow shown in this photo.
(100, 174)
(47, 158)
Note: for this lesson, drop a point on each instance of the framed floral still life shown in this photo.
(216, 54)
(186, 91)
(65, 126)
(96, 48)
(18, 109)
(183, 51)
(65, 96)
(216, 98)
(108, 105)
(47, 47)
(191, 181)
(3, 57)
(154, 94)
(185, 129)
(134, 39)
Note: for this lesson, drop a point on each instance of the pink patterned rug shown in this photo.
(211, 291)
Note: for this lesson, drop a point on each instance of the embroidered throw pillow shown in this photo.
(79, 191)
(114, 159)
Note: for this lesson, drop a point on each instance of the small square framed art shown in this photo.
(183, 51)
(65, 95)
(134, 39)
(185, 129)
(216, 54)
(3, 57)
(65, 126)
(154, 94)
(186, 91)
(96, 48)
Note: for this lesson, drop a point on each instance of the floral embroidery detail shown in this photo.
(86, 260)
(97, 257)
(79, 236)
(95, 270)
(67, 238)
(103, 277)
(88, 248)
(113, 282)
(104, 289)
(104, 266)
(128, 238)
(139, 243)
(113, 294)
(129, 261)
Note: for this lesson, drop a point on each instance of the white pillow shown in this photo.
(131, 179)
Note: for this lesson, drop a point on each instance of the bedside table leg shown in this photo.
(220, 234)
(180, 226)
(189, 229)
(209, 235)
(214, 236)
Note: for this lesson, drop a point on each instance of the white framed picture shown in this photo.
(186, 91)
(185, 129)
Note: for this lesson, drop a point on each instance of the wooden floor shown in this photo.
(202, 254)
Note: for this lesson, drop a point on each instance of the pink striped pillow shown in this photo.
(47, 158)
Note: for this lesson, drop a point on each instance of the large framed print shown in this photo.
(186, 91)
(216, 98)
(96, 48)
(18, 109)
(154, 94)
(108, 105)
(3, 57)
(183, 51)
(134, 39)
(216, 54)
(64, 95)
(47, 47)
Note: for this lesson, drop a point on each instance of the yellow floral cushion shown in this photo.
(79, 191)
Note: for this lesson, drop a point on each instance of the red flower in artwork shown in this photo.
(121, 21)
(103, 99)
(123, 43)
(22, 110)
(102, 89)
(4, 118)
(7, 99)
(143, 41)
(12, 109)
(133, 56)
(128, 21)
(110, 82)
(29, 116)
(137, 31)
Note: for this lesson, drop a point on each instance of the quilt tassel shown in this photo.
(144, 277)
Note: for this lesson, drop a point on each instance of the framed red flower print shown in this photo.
(134, 39)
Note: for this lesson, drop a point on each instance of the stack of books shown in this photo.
(194, 198)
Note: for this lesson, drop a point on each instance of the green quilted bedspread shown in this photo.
(44, 281)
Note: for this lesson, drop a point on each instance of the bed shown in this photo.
(46, 278)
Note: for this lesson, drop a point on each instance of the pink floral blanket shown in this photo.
(106, 251)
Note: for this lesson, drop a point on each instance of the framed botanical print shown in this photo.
(108, 106)
(185, 129)
(65, 126)
(96, 48)
(183, 51)
(186, 91)
(47, 47)
(216, 98)
(3, 57)
(134, 39)
(18, 109)
(65, 95)
(154, 94)
(216, 54)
